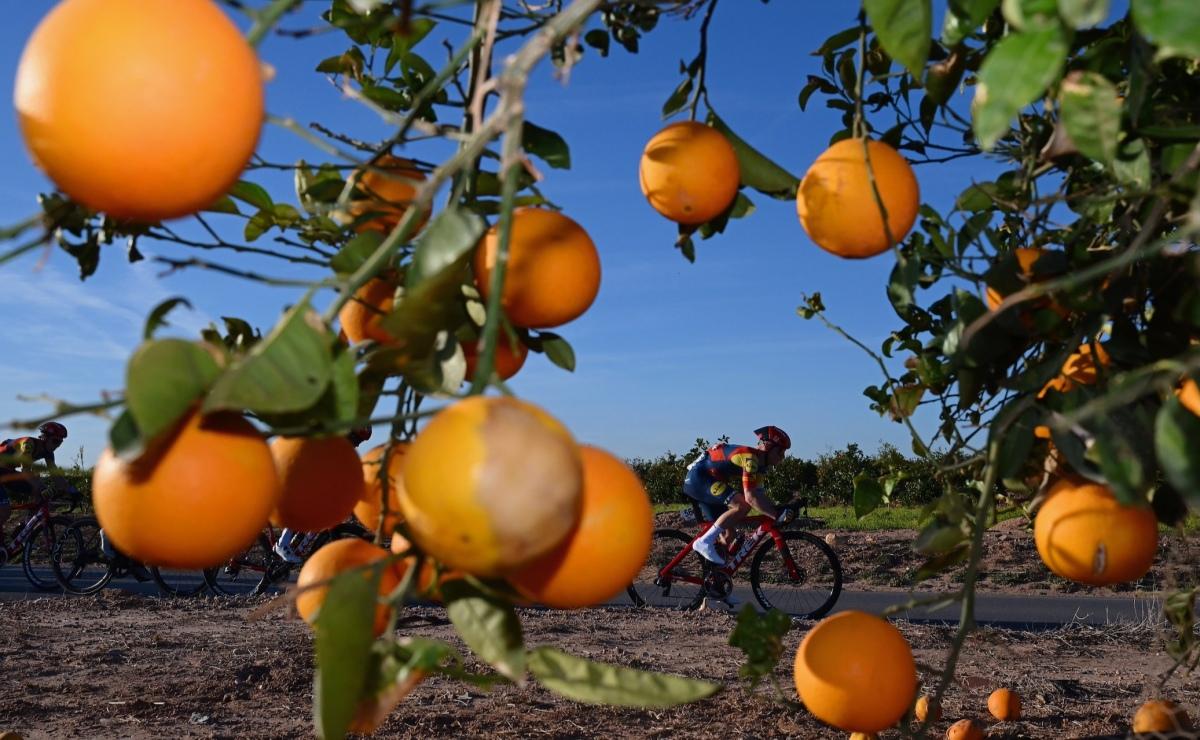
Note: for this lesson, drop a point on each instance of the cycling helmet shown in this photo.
(773, 436)
(53, 429)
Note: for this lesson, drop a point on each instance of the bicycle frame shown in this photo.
(41, 513)
(766, 530)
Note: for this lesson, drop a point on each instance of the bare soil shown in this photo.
(121, 665)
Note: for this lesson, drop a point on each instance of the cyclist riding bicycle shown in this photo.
(283, 548)
(23, 453)
(727, 480)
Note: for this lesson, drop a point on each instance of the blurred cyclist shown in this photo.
(24, 453)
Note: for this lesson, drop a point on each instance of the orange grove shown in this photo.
(370, 506)
(321, 480)
(689, 173)
(333, 559)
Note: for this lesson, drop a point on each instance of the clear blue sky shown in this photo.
(670, 350)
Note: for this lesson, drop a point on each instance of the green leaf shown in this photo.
(452, 234)
(1083, 13)
(598, 39)
(903, 284)
(942, 562)
(1173, 25)
(938, 537)
(162, 382)
(488, 625)
(344, 630)
(158, 316)
(288, 370)
(760, 638)
(1013, 75)
(124, 437)
(1016, 440)
(1177, 444)
(903, 27)
(355, 252)
(757, 171)
(868, 495)
(558, 350)
(1091, 113)
(255, 195)
(258, 224)
(548, 145)
(600, 683)
(1026, 14)
(224, 204)
(678, 99)
(963, 17)
(1132, 165)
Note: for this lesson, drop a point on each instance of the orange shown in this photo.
(390, 185)
(146, 111)
(361, 315)
(837, 205)
(490, 484)
(863, 736)
(553, 272)
(1027, 257)
(924, 710)
(856, 672)
(432, 575)
(334, 558)
(1189, 396)
(1078, 369)
(614, 530)
(370, 506)
(508, 361)
(194, 501)
(689, 172)
(321, 478)
(965, 729)
(1005, 705)
(1083, 533)
(1161, 715)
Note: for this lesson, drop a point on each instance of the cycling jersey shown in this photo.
(21, 452)
(722, 472)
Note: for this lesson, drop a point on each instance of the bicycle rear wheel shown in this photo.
(177, 582)
(79, 563)
(682, 587)
(803, 580)
(40, 552)
(246, 573)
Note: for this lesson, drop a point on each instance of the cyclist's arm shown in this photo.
(756, 495)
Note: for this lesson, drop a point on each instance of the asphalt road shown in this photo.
(1014, 611)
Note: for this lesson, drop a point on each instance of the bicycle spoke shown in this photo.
(681, 587)
(805, 581)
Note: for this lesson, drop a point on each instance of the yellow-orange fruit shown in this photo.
(432, 575)
(143, 110)
(370, 506)
(965, 729)
(490, 484)
(837, 205)
(333, 559)
(1083, 533)
(321, 480)
(1078, 369)
(1161, 715)
(614, 528)
(553, 272)
(194, 501)
(1189, 396)
(689, 172)
(926, 711)
(390, 186)
(856, 672)
(507, 362)
(1005, 705)
(361, 315)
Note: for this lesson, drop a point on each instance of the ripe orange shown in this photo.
(432, 575)
(389, 186)
(1189, 396)
(321, 478)
(1083, 533)
(614, 529)
(863, 736)
(965, 729)
(490, 484)
(1027, 257)
(145, 111)
(837, 205)
(1078, 369)
(370, 506)
(924, 710)
(361, 315)
(195, 500)
(856, 672)
(508, 361)
(1161, 715)
(553, 270)
(1005, 705)
(689, 172)
(332, 559)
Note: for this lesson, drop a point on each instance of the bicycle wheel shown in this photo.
(79, 563)
(40, 552)
(245, 573)
(682, 587)
(178, 582)
(804, 580)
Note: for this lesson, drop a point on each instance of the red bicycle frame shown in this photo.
(766, 529)
(41, 513)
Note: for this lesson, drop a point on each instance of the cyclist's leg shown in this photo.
(713, 498)
(283, 548)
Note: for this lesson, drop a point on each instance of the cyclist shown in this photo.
(283, 548)
(23, 453)
(727, 480)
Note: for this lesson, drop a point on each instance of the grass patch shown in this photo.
(842, 517)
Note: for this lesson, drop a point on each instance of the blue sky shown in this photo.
(670, 350)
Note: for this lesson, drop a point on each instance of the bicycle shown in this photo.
(82, 566)
(35, 540)
(257, 568)
(792, 570)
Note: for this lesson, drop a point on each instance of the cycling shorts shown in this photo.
(15, 485)
(713, 496)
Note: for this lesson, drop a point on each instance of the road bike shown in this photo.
(35, 540)
(258, 568)
(790, 569)
(82, 565)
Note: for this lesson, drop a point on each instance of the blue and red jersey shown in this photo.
(723, 471)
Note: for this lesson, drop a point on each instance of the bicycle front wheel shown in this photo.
(177, 582)
(41, 550)
(246, 573)
(801, 576)
(79, 563)
(681, 587)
